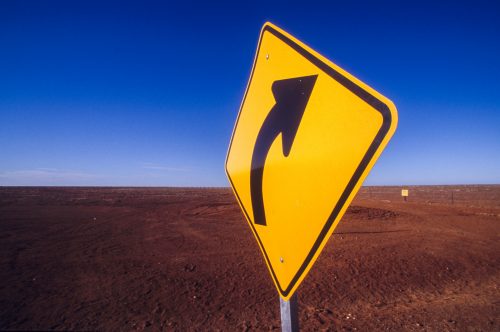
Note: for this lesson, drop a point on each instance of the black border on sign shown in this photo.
(384, 129)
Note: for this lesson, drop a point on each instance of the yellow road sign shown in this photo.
(404, 192)
(306, 136)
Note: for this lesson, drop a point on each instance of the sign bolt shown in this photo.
(267, 56)
(281, 259)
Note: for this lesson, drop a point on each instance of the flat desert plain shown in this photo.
(185, 259)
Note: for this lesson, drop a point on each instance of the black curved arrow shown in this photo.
(291, 97)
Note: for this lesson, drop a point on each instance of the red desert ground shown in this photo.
(185, 259)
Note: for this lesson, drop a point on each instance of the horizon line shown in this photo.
(228, 187)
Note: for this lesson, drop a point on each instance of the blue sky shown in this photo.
(146, 93)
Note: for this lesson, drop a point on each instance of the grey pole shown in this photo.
(289, 314)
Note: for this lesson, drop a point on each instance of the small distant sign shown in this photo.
(404, 192)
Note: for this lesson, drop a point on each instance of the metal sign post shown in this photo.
(289, 314)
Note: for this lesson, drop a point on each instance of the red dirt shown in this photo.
(185, 259)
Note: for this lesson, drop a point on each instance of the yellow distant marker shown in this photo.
(404, 193)
(306, 136)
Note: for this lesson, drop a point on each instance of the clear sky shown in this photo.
(146, 93)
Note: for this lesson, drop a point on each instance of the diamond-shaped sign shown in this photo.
(306, 136)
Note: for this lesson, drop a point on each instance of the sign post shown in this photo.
(306, 137)
(289, 314)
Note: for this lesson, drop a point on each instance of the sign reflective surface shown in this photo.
(306, 136)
